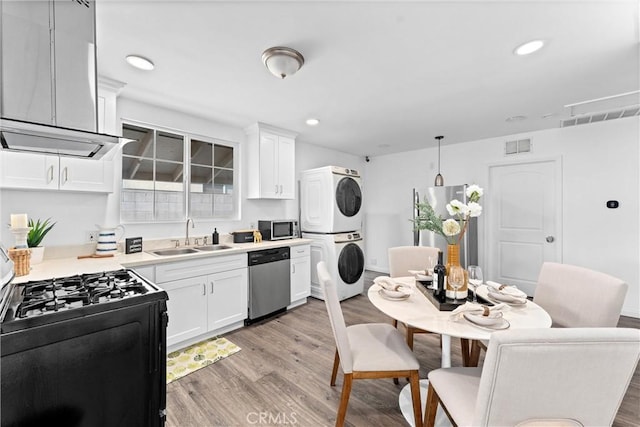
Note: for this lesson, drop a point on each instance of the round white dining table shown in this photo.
(419, 312)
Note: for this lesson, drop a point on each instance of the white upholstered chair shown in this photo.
(405, 258)
(533, 377)
(576, 297)
(367, 351)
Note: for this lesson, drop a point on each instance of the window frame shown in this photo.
(186, 176)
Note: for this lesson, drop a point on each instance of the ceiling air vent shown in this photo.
(603, 109)
(518, 146)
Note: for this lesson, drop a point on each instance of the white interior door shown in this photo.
(524, 220)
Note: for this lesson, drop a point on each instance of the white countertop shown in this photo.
(63, 267)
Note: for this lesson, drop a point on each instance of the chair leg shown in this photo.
(415, 397)
(464, 345)
(344, 399)
(334, 373)
(474, 356)
(431, 408)
(410, 337)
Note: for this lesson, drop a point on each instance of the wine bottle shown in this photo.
(439, 273)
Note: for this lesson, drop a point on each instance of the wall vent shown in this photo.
(517, 146)
(603, 109)
(600, 117)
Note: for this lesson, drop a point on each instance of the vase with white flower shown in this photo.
(452, 229)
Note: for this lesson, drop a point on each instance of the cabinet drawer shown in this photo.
(300, 251)
(199, 267)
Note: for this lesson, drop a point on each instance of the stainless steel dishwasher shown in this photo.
(269, 283)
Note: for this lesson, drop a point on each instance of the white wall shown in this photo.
(600, 162)
(78, 213)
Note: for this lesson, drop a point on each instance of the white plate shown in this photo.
(507, 299)
(384, 294)
(503, 324)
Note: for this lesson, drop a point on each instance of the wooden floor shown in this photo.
(281, 376)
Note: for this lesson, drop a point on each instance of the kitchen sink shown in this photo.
(212, 247)
(174, 251)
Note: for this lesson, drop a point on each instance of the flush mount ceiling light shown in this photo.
(282, 61)
(439, 182)
(140, 62)
(313, 122)
(529, 47)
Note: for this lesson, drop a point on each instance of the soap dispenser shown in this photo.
(214, 237)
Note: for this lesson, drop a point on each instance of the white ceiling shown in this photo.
(381, 77)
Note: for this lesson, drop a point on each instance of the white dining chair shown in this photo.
(534, 377)
(574, 297)
(367, 351)
(405, 258)
(577, 297)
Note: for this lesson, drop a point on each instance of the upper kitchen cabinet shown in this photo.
(49, 63)
(108, 90)
(50, 172)
(271, 154)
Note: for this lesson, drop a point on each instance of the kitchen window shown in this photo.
(156, 176)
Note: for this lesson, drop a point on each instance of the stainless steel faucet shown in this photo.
(186, 238)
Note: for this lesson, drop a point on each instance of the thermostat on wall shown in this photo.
(612, 204)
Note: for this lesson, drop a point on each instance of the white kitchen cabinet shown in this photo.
(227, 298)
(108, 90)
(271, 154)
(187, 309)
(50, 172)
(206, 296)
(300, 273)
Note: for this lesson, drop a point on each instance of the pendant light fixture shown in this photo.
(439, 179)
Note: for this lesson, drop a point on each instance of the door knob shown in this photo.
(550, 239)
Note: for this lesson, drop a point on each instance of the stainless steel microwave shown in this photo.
(278, 229)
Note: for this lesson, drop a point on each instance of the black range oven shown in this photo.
(86, 350)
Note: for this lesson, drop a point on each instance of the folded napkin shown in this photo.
(475, 308)
(506, 290)
(427, 272)
(387, 283)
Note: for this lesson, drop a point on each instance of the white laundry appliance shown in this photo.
(344, 255)
(330, 200)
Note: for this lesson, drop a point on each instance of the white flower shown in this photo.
(450, 227)
(474, 209)
(474, 192)
(456, 207)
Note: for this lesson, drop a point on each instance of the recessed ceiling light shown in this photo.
(529, 47)
(516, 118)
(140, 62)
(313, 122)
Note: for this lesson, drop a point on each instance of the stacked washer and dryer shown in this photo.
(331, 216)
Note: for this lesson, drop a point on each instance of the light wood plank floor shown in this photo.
(281, 376)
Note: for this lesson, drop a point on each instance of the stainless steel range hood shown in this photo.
(35, 137)
(48, 79)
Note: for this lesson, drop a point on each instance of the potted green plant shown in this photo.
(38, 230)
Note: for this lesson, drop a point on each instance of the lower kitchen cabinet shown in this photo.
(187, 309)
(300, 272)
(203, 303)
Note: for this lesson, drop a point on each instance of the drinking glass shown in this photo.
(475, 279)
(456, 279)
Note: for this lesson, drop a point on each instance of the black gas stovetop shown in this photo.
(47, 301)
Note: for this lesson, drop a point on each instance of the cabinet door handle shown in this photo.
(276, 188)
(212, 286)
(204, 289)
(50, 174)
(293, 268)
(280, 188)
(65, 173)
